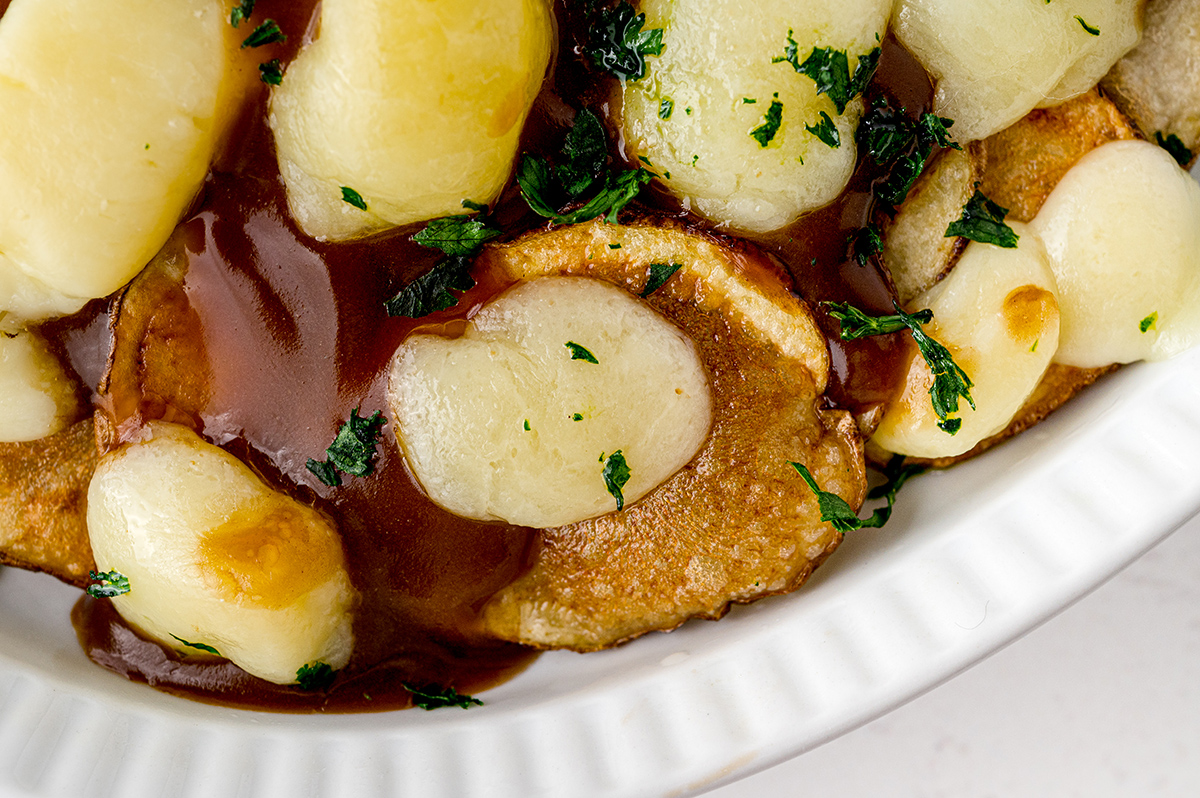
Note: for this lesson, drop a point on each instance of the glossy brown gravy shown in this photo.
(295, 337)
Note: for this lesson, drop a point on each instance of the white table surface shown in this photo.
(1103, 700)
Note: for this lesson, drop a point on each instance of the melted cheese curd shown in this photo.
(519, 418)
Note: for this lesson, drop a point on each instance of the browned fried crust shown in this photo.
(734, 525)
(43, 503)
(1026, 161)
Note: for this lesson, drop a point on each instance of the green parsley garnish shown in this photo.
(837, 512)
(352, 451)
(1175, 146)
(614, 246)
(430, 292)
(580, 353)
(826, 131)
(584, 153)
(1087, 27)
(770, 124)
(315, 676)
(618, 45)
(867, 243)
(241, 11)
(461, 235)
(577, 416)
(901, 145)
(665, 108)
(432, 697)
(527, 425)
(659, 274)
(830, 70)
(352, 197)
(949, 381)
(266, 33)
(983, 220)
(197, 646)
(1146, 324)
(748, 101)
(108, 584)
(271, 73)
(615, 474)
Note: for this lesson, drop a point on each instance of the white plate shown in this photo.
(972, 558)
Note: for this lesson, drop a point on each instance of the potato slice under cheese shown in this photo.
(737, 522)
(36, 396)
(997, 315)
(215, 557)
(1123, 231)
(725, 127)
(108, 120)
(518, 419)
(996, 61)
(414, 105)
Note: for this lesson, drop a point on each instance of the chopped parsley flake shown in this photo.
(618, 45)
(1147, 324)
(665, 108)
(461, 235)
(108, 584)
(198, 646)
(949, 381)
(983, 220)
(432, 697)
(659, 274)
(580, 353)
(315, 676)
(770, 124)
(527, 425)
(266, 33)
(577, 416)
(867, 243)
(614, 246)
(1175, 146)
(352, 451)
(430, 292)
(615, 474)
(584, 154)
(241, 11)
(688, 110)
(901, 145)
(826, 131)
(352, 197)
(271, 73)
(1087, 27)
(830, 70)
(836, 511)
(748, 101)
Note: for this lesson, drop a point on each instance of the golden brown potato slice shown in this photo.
(916, 249)
(43, 503)
(1026, 161)
(158, 368)
(1023, 164)
(1157, 84)
(735, 524)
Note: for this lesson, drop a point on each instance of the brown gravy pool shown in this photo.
(296, 337)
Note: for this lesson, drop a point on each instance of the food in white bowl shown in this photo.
(302, 351)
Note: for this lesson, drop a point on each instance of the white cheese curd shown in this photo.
(508, 422)
(414, 105)
(108, 121)
(997, 315)
(1123, 231)
(715, 84)
(215, 557)
(996, 60)
(37, 398)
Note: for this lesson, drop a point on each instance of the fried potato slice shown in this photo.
(1157, 84)
(916, 250)
(1023, 165)
(1026, 161)
(735, 524)
(43, 503)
